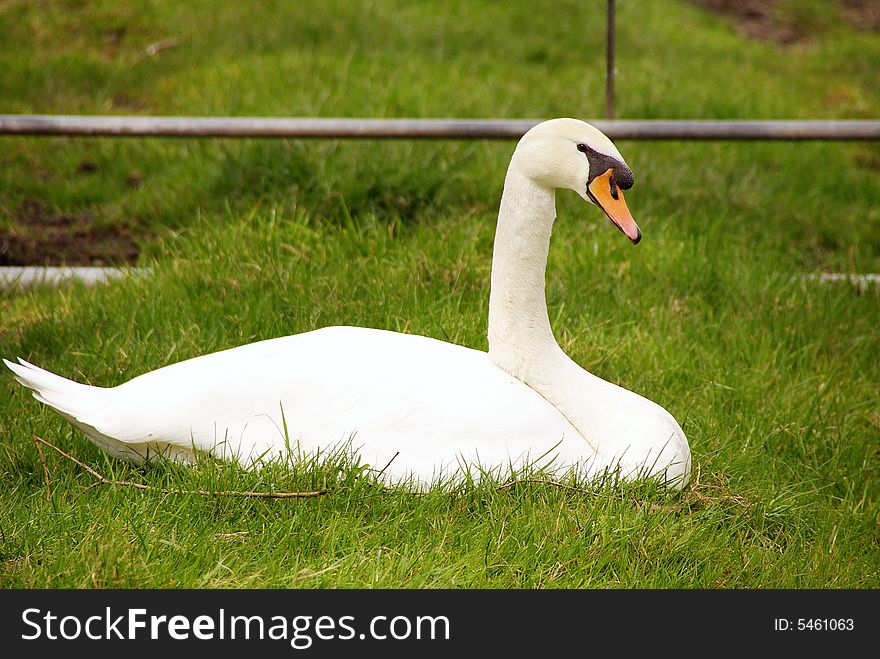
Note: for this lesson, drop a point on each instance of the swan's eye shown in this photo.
(582, 148)
(613, 188)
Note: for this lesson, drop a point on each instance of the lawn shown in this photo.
(773, 377)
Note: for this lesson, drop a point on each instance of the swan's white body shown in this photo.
(416, 408)
(333, 384)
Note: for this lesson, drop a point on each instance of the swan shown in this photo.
(416, 409)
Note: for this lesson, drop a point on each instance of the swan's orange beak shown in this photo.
(609, 197)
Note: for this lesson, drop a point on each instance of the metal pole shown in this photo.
(609, 57)
(261, 127)
(249, 127)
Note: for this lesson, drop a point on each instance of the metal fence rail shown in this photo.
(139, 126)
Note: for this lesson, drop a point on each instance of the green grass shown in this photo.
(773, 379)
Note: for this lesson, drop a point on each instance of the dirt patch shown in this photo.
(40, 237)
(862, 14)
(773, 20)
(757, 19)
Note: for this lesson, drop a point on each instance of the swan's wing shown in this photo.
(431, 403)
(423, 407)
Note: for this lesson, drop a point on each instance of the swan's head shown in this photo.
(572, 154)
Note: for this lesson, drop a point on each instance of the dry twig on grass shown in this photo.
(393, 458)
(45, 468)
(103, 480)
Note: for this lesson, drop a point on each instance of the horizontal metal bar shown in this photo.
(136, 126)
(261, 127)
(861, 282)
(25, 277)
(743, 130)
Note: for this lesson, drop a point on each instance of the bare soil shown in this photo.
(755, 18)
(40, 237)
(862, 14)
(760, 19)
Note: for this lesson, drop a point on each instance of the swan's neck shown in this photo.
(519, 328)
(520, 339)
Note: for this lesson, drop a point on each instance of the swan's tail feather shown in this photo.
(72, 399)
(78, 403)
(86, 408)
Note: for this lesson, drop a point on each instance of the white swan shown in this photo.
(436, 406)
